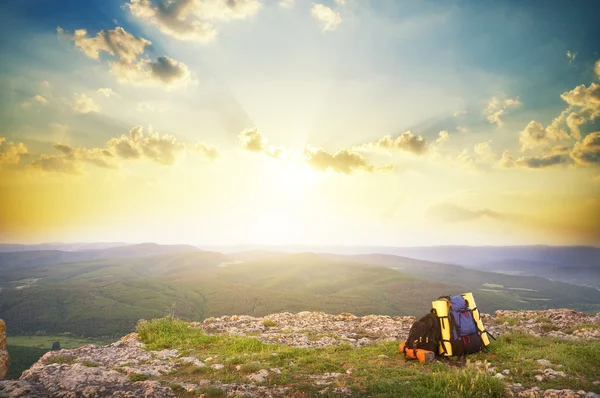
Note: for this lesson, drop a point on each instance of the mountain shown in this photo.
(105, 293)
(14, 247)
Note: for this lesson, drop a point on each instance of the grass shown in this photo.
(590, 326)
(365, 371)
(60, 359)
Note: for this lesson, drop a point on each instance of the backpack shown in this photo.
(465, 337)
(424, 334)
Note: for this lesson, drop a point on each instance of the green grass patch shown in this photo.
(68, 359)
(509, 320)
(138, 377)
(378, 370)
(269, 323)
(589, 326)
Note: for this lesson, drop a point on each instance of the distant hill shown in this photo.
(106, 294)
(10, 247)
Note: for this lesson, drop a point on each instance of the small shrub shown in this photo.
(548, 327)
(56, 346)
(250, 367)
(212, 392)
(138, 377)
(269, 323)
(90, 364)
(511, 321)
(590, 326)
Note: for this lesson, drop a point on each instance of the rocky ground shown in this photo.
(121, 369)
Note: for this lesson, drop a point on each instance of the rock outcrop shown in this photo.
(4, 358)
(122, 369)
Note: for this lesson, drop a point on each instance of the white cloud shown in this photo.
(497, 107)
(328, 18)
(45, 83)
(597, 68)
(191, 19)
(150, 107)
(84, 104)
(571, 55)
(106, 92)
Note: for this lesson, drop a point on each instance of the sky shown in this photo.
(333, 122)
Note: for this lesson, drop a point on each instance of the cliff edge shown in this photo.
(551, 353)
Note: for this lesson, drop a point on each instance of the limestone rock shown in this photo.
(4, 358)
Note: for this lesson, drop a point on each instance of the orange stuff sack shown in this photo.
(420, 354)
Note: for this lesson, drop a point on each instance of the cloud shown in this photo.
(343, 161)
(452, 213)
(69, 159)
(163, 149)
(554, 158)
(116, 42)
(45, 83)
(84, 104)
(442, 138)
(535, 134)
(11, 152)
(571, 55)
(407, 142)
(480, 157)
(209, 151)
(597, 68)
(574, 120)
(497, 107)
(54, 163)
(588, 98)
(252, 140)
(190, 19)
(36, 98)
(287, 3)
(327, 17)
(165, 71)
(538, 162)
(129, 68)
(106, 92)
(587, 152)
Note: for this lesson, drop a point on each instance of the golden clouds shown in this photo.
(497, 107)
(587, 152)
(252, 140)
(343, 161)
(10, 152)
(163, 149)
(407, 142)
